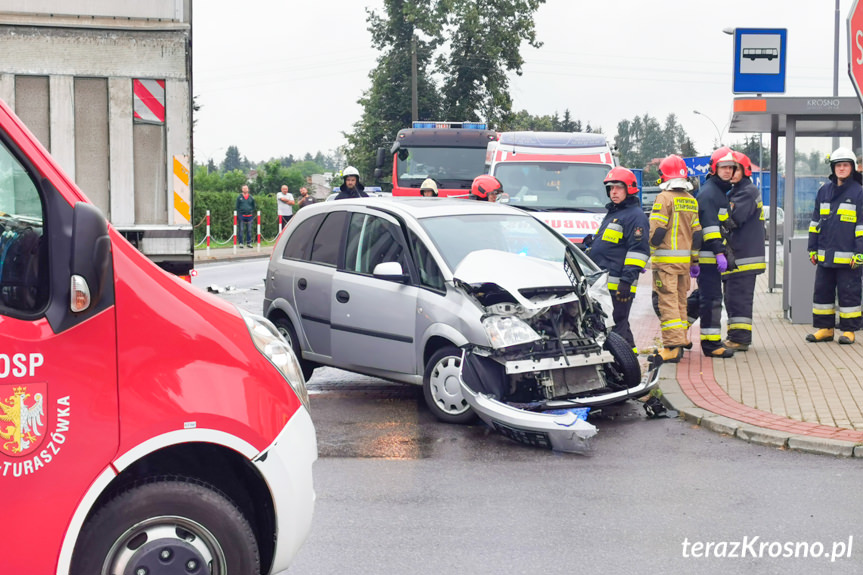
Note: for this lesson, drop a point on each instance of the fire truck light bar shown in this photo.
(462, 125)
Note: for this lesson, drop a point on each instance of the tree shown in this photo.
(387, 103)
(643, 140)
(232, 159)
(751, 146)
(485, 38)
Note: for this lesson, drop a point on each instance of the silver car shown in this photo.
(480, 303)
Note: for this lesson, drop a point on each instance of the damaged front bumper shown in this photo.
(564, 430)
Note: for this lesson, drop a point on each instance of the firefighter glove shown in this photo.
(813, 257)
(624, 292)
(721, 263)
(856, 261)
(694, 270)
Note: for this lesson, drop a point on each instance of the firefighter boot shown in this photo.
(671, 354)
(735, 346)
(823, 334)
(847, 337)
(721, 352)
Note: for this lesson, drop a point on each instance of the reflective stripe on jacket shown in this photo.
(677, 212)
(836, 229)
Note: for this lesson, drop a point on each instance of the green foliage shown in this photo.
(523, 120)
(642, 141)
(751, 145)
(484, 41)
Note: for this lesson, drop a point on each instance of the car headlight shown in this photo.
(273, 346)
(507, 330)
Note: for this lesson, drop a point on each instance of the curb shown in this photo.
(674, 398)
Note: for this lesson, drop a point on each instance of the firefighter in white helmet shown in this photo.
(836, 248)
(351, 186)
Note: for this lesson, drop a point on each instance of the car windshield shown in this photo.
(457, 236)
(453, 168)
(549, 186)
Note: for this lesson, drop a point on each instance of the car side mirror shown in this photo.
(390, 271)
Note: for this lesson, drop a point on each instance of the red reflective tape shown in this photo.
(149, 99)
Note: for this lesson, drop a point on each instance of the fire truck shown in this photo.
(557, 176)
(145, 425)
(450, 153)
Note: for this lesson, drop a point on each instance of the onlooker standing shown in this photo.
(675, 238)
(246, 209)
(285, 202)
(836, 247)
(305, 198)
(745, 225)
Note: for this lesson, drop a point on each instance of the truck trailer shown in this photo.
(106, 87)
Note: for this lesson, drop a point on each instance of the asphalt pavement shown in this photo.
(783, 392)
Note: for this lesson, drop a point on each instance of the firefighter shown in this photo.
(675, 238)
(620, 245)
(486, 188)
(712, 211)
(745, 232)
(351, 186)
(836, 248)
(428, 189)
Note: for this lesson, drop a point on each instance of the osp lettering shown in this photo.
(20, 364)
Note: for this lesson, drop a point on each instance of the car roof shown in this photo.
(419, 208)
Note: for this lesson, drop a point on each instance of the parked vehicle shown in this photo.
(107, 87)
(557, 176)
(420, 290)
(451, 153)
(145, 426)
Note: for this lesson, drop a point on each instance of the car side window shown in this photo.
(325, 248)
(299, 245)
(430, 274)
(371, 241)
(23, 250)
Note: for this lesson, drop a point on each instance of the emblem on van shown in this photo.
(22, 418)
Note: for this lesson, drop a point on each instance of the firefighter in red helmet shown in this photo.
(620, 245)
(486, 188)
(745, 252)
(675, 239)
(712, 212)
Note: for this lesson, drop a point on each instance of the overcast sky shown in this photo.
(280, 77)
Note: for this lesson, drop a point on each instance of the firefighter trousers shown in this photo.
(671, 289)
(739, 293)
(710, 307)
(620, 315)
(833, 282)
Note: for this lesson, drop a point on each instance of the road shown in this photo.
(399, 492)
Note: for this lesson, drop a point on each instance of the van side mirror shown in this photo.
(91, 251)
(390, 271)
(380, 158)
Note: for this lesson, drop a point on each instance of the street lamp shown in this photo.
(718, 133)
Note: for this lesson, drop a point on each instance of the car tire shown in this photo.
(285, 328)
(161, 525)
(442, 387)
(625, 372)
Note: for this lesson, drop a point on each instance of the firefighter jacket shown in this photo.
(675, 231)
(712, 212)
(620, 244)
(836, 229)
(745, 226)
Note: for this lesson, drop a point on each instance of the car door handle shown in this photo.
(342, 296)
(302, 283)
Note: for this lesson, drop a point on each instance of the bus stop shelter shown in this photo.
(794, 118)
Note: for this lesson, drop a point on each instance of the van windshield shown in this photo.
(553, 186)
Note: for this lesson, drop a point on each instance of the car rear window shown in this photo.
(299, 244)
(325, 249)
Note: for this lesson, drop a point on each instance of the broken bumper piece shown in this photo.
(564, 429)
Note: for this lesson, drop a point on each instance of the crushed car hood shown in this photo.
(513, 273)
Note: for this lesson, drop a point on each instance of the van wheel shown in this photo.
(167, 526)
(442, 388)
(625, 372)
(287, 330)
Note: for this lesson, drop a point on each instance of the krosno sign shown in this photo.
(822, 103)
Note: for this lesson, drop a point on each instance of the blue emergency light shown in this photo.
(446, 125)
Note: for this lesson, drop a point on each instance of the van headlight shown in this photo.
(507, 330)
(269, 342)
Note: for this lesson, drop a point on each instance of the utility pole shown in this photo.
(414, 103)
(836, 64)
